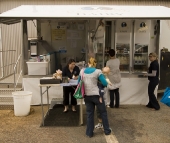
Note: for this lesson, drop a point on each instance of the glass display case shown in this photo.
(99, 55)
(140, 58)
(123, 54)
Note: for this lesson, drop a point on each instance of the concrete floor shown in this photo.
(130, 124)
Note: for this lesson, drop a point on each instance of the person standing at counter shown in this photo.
(115, 78)
(91, 76)
(153, 77)
(72, 72)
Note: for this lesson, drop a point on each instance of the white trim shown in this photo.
(87, 11)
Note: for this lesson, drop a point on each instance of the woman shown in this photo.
(115, 78)
(153, 77)
(71, 71)
(90, 77)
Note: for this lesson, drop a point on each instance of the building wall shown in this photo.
(11, 35)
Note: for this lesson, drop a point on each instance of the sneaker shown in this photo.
(110, 132)
(99, 126)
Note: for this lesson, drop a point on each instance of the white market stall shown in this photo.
(130, 26)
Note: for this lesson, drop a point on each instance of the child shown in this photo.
(105, 71)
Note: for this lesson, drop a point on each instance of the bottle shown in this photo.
(140, 60)
(29, 54)
(143, 62)
(44, 58)
(106, 50)
(121, 60)
(136, 62)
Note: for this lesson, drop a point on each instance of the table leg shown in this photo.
(42, 106)
(48, 99)
(81, 111)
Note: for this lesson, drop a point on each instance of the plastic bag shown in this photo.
(80, 91)
(166, 97)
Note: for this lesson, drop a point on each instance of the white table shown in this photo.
(134, 91)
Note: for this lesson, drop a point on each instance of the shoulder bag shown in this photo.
(80, 91)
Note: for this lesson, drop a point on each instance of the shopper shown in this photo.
(105, 72)
(153, 77)
(91, 76)
(71, 71)
(114, 76)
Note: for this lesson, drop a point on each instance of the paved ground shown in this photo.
(130, 124)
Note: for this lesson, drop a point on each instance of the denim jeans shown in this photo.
(101, 93)
(90, 102)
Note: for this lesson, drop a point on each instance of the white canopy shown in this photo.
(87, 11)
(84, 12)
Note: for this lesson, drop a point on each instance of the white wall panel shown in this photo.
(11, 40)
(165, 34)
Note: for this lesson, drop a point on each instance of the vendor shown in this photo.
(72, 72)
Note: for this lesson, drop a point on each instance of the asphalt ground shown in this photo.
(130, 124)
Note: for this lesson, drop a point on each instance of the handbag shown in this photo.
(166, 97)
(80, 91)
(114, 86)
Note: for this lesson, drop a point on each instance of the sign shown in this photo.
(59, 33)
(72, 34)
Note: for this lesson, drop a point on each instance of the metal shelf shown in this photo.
(124, 64)
(140, 64)
(141, 53)
(122, 54)
(99, 53)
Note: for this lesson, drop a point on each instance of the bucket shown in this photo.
(22, 101)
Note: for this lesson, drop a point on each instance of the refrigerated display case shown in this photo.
(99, 55)
(140, 58)
(123, 54)
(132, 53)
(123, 43)
(164, 70)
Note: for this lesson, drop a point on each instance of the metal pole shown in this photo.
(42, 106)
(131, 60)
(22, 44)
(14, 82)
(1, 55)
(48, 98)
(81, 111)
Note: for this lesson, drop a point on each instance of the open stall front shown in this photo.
(82, 30)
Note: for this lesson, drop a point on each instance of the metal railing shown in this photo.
(13, 67)
(16, 82)
(5, 66)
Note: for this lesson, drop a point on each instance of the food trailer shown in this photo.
(81, 31)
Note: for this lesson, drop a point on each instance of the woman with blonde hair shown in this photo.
(153, 77)
(91, 76)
